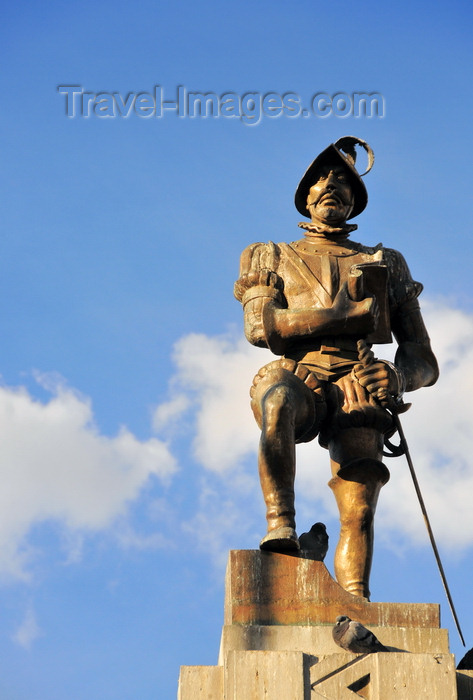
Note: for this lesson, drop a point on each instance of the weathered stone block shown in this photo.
(272, 675)
(385, 676)
(200, 683)
(265, 588)
(317, 639)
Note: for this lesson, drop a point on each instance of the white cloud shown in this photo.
(28, 631)
(219, 523)
(216, 374)
(170, 411)
(56, 466)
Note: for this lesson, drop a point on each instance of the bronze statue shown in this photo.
(320, 303)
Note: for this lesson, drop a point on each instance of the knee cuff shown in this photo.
(364, 470)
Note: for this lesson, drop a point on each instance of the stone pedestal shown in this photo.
(277, 641)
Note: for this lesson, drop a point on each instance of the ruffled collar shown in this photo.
(319, 231)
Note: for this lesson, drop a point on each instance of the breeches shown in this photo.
(332, 406)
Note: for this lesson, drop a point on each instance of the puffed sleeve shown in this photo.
(258, 285)
(402, 288)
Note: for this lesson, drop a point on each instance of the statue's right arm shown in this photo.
(344, 317)
(268, 321)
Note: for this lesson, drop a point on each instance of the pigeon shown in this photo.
(353, 636)
(315, 541)
(466, 664)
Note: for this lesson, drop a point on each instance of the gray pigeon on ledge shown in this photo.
(353, 636)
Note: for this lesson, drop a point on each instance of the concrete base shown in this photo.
(277, 641)
(293, 675)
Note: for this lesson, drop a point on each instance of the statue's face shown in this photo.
(330, 199)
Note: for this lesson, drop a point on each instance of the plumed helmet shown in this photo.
(342, 152)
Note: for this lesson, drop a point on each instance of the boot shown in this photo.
(280, 515)
(356, 488)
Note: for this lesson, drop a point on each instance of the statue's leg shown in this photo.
(285, 408)
(277, 466)
(358, 475)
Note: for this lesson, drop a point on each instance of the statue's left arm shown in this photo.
(414, 356)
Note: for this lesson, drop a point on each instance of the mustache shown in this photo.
(333, 193)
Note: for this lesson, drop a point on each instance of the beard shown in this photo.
(332, 212)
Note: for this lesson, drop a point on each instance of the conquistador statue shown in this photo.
(311, 302)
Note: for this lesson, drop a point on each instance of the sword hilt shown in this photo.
(385, 399)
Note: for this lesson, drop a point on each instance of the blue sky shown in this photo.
(127, 448)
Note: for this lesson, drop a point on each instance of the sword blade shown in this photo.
(366, 357)
(427, 523)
